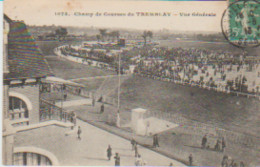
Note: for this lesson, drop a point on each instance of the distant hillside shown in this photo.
(162, 34)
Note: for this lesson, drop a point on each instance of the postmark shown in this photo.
(240, 23)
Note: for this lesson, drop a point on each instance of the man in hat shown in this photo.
(117, 160)
(102, 108)
(136, 150)
(204, 141)
(133, 142)
(223, 144)
(109, 152)
(190, 160)
(79, 133)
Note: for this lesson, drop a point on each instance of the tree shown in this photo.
(117, 34)
(103, 33)
(147, 34)
(61, 32)
(113, 35)
(98, 37)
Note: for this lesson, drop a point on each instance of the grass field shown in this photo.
(71, 70)
(219, 109)
(47, 47)
(104, 86)
(226, 111)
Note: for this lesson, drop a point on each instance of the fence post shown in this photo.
(65, 116)
(49, 113)
(60, 114)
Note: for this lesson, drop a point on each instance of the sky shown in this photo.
(42, 12)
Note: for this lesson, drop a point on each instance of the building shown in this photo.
(24, 69)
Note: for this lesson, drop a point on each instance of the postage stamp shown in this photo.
(241, 23)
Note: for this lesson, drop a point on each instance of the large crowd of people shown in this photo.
(88, 54)
(222, 70)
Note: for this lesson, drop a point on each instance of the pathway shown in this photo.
(89, 151)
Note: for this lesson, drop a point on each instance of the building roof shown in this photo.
(25, 59)
(57, 80)
(7, 18)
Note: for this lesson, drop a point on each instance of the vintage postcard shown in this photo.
(131, 83)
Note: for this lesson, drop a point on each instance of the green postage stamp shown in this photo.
(240, 23)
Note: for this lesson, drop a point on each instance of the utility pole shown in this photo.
(61, 111)
(118, 97)
(121, 44)
(242, 72)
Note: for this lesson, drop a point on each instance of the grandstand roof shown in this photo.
(57, 80)
(25, 60)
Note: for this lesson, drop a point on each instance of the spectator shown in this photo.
(232, 163)
(217, 146)
(93, 102)
(204, 141)
(109, 152)
(102, 108)
(117, 160)
(79, 132)
(242, 164)
(136, 150)
(223, 144)
(155, 141)
(74, 119)
(154, 144)
(65, 96)
(138, 160)
(133, 143)
(71, 117)
(100, 99)
(79, 91)
(190, 160)
(224, 162)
